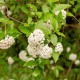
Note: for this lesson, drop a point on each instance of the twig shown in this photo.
(69, 70)
(15, 20)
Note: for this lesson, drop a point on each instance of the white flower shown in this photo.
(59, 47)
(72, 57)
(63, 13)
(34, 50)
(22, 55)
(10, 61)
(68, 49)
(45, 52)
(36, 38)
(77, 62)
(7, 42)
(48, 25)
(9, 13)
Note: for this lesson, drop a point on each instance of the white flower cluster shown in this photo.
(10, 61)
(48, 25)
(73, 57)
(63, 13)
(36, 45)
(7, 42)
(36, 38)
(59, 48)
(4, 10)
(45, 52)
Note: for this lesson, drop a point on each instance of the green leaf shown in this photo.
(55, 56)
(1, 34)
(54, 23)
(45, 8)
(70, 14)
(44, 62)
(51, 1)
(24, 30)
(13, 32)
(29, 20)
(33, 7)
(56, 72)
(61, 7)
(53, 39)
(30, 63)
(1, 1)
(61, 34)
(40, 25)
(24, 9)
(36, 72)
(39, 14)
(47, 16)
(59, 68)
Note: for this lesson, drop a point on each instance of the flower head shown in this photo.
(59, 47)
(72, 57)
(45, 52)
(22, 55)
(36, 38)
(7, 42)
(10, 61)
(77, 62)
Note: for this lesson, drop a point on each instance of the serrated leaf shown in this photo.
(55, 56)
(61, 7)
(54, 39)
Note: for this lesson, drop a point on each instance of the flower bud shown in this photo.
(10, 61)
(72, 57)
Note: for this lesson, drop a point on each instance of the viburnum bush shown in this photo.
(38, 40)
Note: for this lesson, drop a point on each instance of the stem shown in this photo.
(9, 69)
(5, 28)
(68, 72)
(15, 20)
